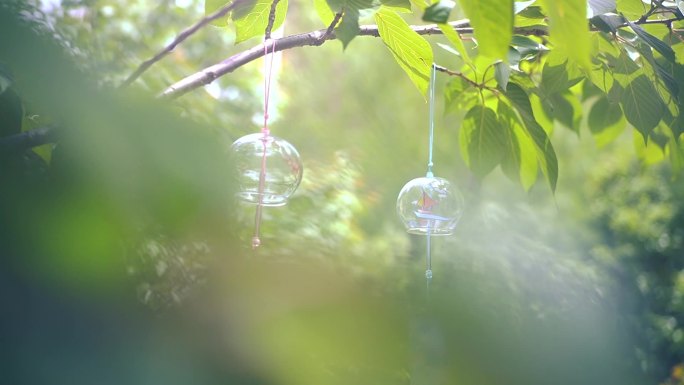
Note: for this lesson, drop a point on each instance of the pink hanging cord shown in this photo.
(256, 241)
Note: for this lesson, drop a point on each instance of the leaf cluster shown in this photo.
(522, 68)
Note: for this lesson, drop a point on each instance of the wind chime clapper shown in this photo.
(430, 205)
(269, 168)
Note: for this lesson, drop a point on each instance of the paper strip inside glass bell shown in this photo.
(430, 205)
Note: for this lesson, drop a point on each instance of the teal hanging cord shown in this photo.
(431, 102)
(429, 174)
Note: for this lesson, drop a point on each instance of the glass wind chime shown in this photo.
(430, 205)
(269, 168)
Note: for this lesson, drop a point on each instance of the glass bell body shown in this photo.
(269, 169)
(430, 205)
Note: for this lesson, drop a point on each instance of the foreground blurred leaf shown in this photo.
(493, 24)
(569, 29)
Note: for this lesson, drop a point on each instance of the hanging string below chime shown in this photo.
(269, 168)
(430, 205)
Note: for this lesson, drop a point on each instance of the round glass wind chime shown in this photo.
(269, 168)
(430, 205)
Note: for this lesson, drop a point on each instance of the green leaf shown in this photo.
(411, 51)
(211, 6)
(642, 105)
(543, 112)
(606, 121)
(482, 140)
(658, 137)
(648, 152)
(520, 6)
(514, 57)
(510, 160)
(662, 32)
(325, 14)
(602, 79)
(546, 155)
(615, 92)
(420, 4)
(397, 5)
(558, 74)
(676, 155)
(530, 12)
(455, 39)
(554, 78)
(654, 42)
(599, 7)
(632, 9)
(526, 43)
(348, 28)
(607, 23)
(439, 11)
(566, 110)
(345, 5)
(459, 95)
(677, 126)
(668, 79)
(623, 64)
(605, 45)
(493, 24)
(590, 90)
(569, 30)
(502, 72)
(519, 161)
(251, 18)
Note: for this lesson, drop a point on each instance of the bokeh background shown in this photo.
(125, 258)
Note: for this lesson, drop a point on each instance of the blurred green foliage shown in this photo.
(126, 260)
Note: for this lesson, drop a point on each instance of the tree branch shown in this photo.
(313, 38)
(28, 139)
(271, 20)
(45, 135)
(180, 38)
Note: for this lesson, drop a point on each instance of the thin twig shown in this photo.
(271, 20)
(648, 13)
(331, 28)
(179, 39)
(465, 78)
